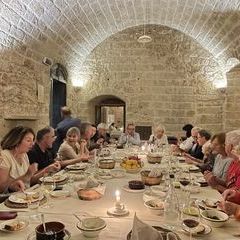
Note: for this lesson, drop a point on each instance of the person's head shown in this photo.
(130, 128)
(73, 135)
(86, 131)
(232, 143)
(65, 112)
(194, 133)
(159, 131)
(46, 137)
(102, 129)
(203, 136)
(187, 128)
(94, 129)
(218, 143)
(19, 138)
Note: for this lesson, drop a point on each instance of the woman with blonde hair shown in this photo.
(71, 151)
(159, 137)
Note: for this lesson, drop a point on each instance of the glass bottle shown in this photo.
(171, 206)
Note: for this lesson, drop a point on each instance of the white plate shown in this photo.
(207, 230)
(20, 197)
(77, 166)
(127, 189)
(206, 206)
(60, 194)
(56, 178)
(23, 223)
(118, 173)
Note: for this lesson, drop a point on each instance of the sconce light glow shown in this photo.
(77, 82)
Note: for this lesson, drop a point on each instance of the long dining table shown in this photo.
(117, 227)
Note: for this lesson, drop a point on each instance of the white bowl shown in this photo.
(91, 227)
(208, 214)
(155, 206)
(158, 190)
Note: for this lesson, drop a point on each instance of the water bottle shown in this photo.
(171, 207)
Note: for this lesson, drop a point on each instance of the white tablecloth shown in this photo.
(117, 228)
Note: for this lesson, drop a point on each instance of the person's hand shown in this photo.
(32, 169)
(54, 167)
(83, 142)
(84, 157)
(210, 178)
(188, 160)
(228, 194)
(17, 185)
(228, 207)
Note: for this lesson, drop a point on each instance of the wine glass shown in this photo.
(184, 179)
(190, 217)
(48, 187)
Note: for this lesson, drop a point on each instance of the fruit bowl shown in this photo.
(132, 164)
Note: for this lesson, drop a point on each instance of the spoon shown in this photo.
(43, 222)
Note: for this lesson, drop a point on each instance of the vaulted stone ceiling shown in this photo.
(75, 27)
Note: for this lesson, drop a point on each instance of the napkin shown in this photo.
(155, 172)
(143, 231)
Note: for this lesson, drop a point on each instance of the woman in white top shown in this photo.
(159, 137)
(14, 164)
(71, 151)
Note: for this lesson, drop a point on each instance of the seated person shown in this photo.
(130, 136)
(233, 173)
(159, 137)
(87, 131)
(41, 153)
(186, 145)
(14, 164)
(187, 128)
(71, 151)
(195, 154)
(67, 122)
(101, 136)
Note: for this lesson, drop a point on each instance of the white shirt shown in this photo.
(124, 138)
(187, 144)
(158, 141)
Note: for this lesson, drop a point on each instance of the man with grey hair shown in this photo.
(101, 136)
(130, 136)
(188, 144)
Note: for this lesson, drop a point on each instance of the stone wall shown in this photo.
(167, 81)
(232, 120)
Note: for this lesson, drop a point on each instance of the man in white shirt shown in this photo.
(130, 136)
(191, 141)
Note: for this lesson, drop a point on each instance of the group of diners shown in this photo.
(218, 157)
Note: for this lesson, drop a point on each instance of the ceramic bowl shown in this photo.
(214, 218)
(155, 206)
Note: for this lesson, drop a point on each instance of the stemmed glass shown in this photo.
(184, 179)
(190, 217)
(48, 187)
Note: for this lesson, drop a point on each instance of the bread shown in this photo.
(88, 194)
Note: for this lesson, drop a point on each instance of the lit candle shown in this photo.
(117, 194)
(143, 148)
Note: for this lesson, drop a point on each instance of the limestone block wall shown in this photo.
(167, 81)
(232, 118)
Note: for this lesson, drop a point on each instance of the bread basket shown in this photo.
(150, 180)
(106, 163)
(154, 158)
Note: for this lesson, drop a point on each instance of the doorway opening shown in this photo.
(110, 109)
(58, 75)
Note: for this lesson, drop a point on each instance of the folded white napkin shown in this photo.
(155, 172)
(143, 231)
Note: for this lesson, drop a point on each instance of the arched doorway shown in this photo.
(58, 75)
(109, 109)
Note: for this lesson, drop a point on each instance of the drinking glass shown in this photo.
(184, 179)
(190, 217)
(47, 188)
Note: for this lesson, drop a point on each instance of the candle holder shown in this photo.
(119, 209)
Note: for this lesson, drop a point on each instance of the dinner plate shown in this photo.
(60, 194)
(127, 189)
(32, 236)
(77, 166)
(20, 224)
(55, 178)
(206, 231)
(208, 203)
(20, 197)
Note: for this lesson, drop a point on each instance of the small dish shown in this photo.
(193, 188)
(60, 194)
(127, 189)
(77, 166)
(20, 197)
(155, 206)
(56, 178)
(149, 195)
(208, 203)
(158, 190)
(32, 236)
(136, 184)
(202, 229)
(13, 225)
(118, 173)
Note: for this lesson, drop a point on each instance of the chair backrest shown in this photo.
(144, 131)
